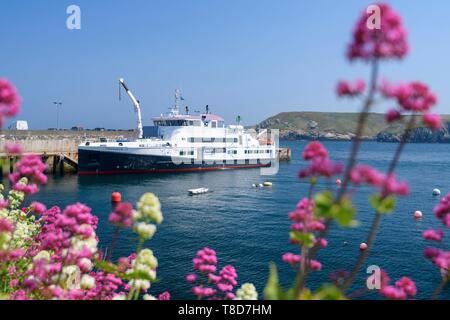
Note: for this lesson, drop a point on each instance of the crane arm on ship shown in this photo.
(137, 108)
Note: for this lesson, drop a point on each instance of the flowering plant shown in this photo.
(316, 213)
(54, 254)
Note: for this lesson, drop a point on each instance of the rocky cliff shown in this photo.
(342, 126)
(419, 135)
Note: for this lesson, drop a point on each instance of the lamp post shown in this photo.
(58, 105)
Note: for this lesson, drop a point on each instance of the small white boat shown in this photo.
(193, 192)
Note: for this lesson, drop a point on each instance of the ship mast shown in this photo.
(175, 110)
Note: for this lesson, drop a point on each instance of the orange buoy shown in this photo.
(418, 215)
(338, 182)
(116, 197)
(363, 246)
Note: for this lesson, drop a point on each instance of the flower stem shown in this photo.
(376, 222)
(401, 146)
(363, 254)
(363, 116)
(439, 289)
(114, 239)
(302, 272)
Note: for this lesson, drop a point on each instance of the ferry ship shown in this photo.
(177, 143)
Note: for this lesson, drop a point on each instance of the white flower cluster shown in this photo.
(87, 282)
(24, 230)
(70, 277)
(24, 225)
(5, 238)
(247, 292)
(144, 230)
(148, 213)
(143, 266)
(150, 207)
(15, 197)
(42, 255)
(78, 244)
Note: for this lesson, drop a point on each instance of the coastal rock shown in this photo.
(418, 135)
(336, 126)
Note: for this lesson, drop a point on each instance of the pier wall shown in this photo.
(284, 154)
(58, 149)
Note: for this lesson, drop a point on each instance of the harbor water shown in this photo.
(248, 227)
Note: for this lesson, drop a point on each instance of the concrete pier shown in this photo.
(284, 154)
(58, 149)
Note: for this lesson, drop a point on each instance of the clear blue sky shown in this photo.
(249, 57)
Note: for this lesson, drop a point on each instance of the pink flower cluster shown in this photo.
(37, 207)
(106, 287)
(413, 97)
(9, 101)
(338, 276)
(388, 185)
(31, 167)
(4, 204)
(390, 41)
(122, 215)
(345, 88)
(320, 164)
(164, 296)
(392, 115)
(442, 210)
(67, 236)
(303, 218)
(305, 226)
(391, 186)
(440, 258)
(13, 148)
(205, 263)
(226, 281)
(314, 150)
(295, 259)
(364, 174)
(402, 289)
(5, 225)
(433, 235)
(432, 121)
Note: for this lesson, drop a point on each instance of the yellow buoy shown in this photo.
(267, 184)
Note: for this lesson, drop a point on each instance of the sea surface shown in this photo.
(248, 227)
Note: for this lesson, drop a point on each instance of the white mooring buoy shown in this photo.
(418, 215)
(436, 192)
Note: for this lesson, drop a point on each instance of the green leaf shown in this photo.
(329, 292)
(344, 212)
(382, 205)
(272, 290)
(306, 239)
(106, 266)
(323, 203)
(4, 296)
